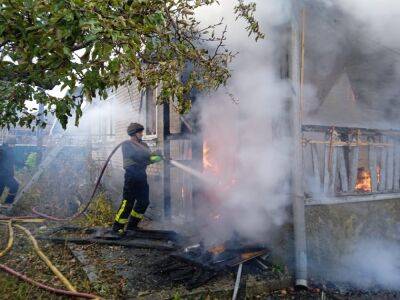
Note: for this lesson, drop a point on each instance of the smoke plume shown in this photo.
(248, 145)
(244, 127)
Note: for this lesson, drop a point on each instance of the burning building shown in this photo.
(316, 127)
(350, 141)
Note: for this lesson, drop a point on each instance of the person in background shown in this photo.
(136, 157)
(7, 170)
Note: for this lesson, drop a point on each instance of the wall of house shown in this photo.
(334, 232)
(133, 105)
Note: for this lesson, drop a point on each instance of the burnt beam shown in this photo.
(143, 244)
(167, 155)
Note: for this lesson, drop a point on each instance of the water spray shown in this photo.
(192, 172)
(181, 166)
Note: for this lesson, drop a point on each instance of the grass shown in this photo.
(23, 259)
(100, 213)
(13, 288)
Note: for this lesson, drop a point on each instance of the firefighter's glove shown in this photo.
(157, 153)
(155, 158)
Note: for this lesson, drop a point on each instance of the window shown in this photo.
(151, 112)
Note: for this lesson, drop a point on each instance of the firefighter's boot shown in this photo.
(134, 220)
(133, 223)
(118, 228)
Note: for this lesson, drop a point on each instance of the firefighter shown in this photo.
(136, 157)
(7, 170)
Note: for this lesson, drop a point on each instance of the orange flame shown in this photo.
(217, 249)
(363, 181)
(208, 163)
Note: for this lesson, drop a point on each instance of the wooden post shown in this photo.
(372, 168)
(390, 166)
(167, 167)
(383, 159)
(50, 157)
(344, 181)
(330, 166)
(334, 172)
(326, 169)
(354, 157)
(396, 179)
(316, 165)
(308, 178)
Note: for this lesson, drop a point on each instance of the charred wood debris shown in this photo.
(194, 265)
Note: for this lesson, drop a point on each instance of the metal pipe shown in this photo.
(237, 282)
(297, 76)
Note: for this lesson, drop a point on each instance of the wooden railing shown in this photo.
(333, 156)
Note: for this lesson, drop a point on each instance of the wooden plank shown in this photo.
(308, 178)
(142, 244)
(372, 168)
(354, 157)
(167, 155)
(353, 199)
(316, 166)
(51, 156)
(390, 167)
(330, 168)
(382, 166)
(396, 179)
(178, 136)
(326, 169)
(344, 181)
(334, 172)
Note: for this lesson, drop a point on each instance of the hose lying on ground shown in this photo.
(79, 213)
(46, 287)
(10, 239)
(27, 219)
(72, 292)
(47, 261)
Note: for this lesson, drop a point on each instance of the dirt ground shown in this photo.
(121, 273)
(108, 271)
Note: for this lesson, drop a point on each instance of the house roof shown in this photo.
(340, 62)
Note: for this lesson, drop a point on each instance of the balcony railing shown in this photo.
(348, 162)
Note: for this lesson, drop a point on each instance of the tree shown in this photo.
(103, 44)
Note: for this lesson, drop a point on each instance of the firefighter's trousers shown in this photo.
(134, 203)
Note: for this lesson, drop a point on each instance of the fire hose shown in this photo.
(10, 239)
(71, 289)
(29, 219)
(98, 181)
(47, 261)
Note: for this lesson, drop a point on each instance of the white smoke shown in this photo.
(242, 135)
(379, 19)
(371, 263)
(370, 29)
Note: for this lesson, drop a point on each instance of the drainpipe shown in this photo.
(297, 75)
